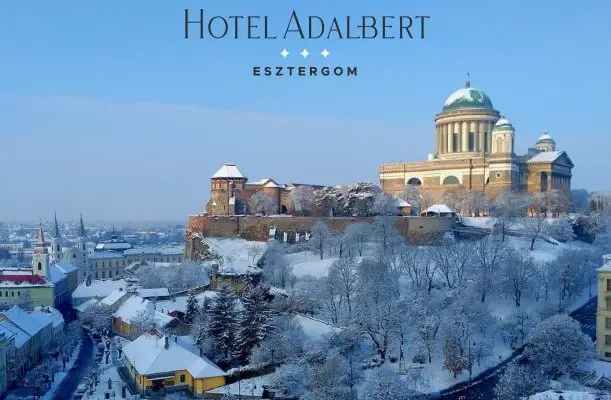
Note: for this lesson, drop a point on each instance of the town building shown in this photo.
(7, 345)
(230, 192)
(475, 150)
(37, 334)
(159, 363)
(48, 282)
(603, 310)
(127, 320)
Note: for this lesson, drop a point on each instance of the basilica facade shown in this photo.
(475, 150)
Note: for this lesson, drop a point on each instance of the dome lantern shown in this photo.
(468, 97)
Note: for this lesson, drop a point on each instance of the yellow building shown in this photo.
(475, 151)
(603, 310)
(159, 363)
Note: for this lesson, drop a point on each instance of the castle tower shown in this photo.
(503, 136)
(465, 124)
(546, 143)
(56, 246)
(224, 185)
(40, 259)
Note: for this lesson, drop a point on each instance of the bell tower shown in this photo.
(56, 242)
(40, 259)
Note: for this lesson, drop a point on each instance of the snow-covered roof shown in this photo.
(228, 171)
(113, 297)
(104, 255)
(401, 203)
(179, 303)
(546, 156)
(148, 356)
(24, 321)
(136, 304)
(439, 209)
(89, 303)
(98, 288)
(314, 328)
(161, 250)
(66, 267)
(119, 246)
(55, 274)
(566, 395)
(153, 292)
(45, 314)
(10, 330)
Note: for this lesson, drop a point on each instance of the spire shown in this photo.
(468, 81)
(41, 245)
(81, 231)
(55, 227)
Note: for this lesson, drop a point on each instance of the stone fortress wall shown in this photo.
(257, 228)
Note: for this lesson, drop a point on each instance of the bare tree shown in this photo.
(489, 254)
(506, 208)
(357, 235)
(411, 194)
(518, 272)
(320, 238)
(534, 227)
(344, 274)
(302, 198)
(452, 260)
(262, 203)
(144, 321)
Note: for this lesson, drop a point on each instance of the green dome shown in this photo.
(503, 125)
(468, 97)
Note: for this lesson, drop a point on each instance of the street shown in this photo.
(485, 382)
(80, 369)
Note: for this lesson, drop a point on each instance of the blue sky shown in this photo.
(106, 109)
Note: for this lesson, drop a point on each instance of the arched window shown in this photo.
(544, 181)
(73, 255)
(499, 144)
(39, 266)
(57, 248)
(451, 180)
(414, 181)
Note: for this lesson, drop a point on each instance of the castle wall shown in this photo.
(415, 229)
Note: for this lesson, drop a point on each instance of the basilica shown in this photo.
(475, 150)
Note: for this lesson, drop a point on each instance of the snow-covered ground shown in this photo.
(566, 395)
(306, 263)
(245, 387)
(237, 255)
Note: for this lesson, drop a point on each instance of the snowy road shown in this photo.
(81, 366)
(483, 388)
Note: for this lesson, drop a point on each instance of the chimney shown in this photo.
(167, 343)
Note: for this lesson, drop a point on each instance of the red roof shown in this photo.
(31, 279)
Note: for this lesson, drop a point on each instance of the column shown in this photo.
(489, 134)
(480, 133)
(465, 136)
(437, 141)
(444, 138)
(449, 131)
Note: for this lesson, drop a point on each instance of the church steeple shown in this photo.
(56, 246)
(40, 259)
(81, 231)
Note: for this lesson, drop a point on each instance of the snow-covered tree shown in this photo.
(568, 275)
(360, 199)
(144, 321)
(454, 358)
(519, 382)
(376, 305)
(330, 379)
(222, 322)
(98, 317)
(293, 377)
(330, 202)
(305, 298)
(200, 324)
(488, 258)
(385, 384)
(302, 198)
(452, 260)
(262, 203)
(506, 208)
(276, 269)
(561, 229)
(517, 327)
(534, 228)
(559, 330)
(254, 322)
(386, 235)
(518, 273)
(192, 308)
(411, 194)
(285, 344)
(320, 239)
(384, 204)
(419, 267)
(557, 202)
(356, 236)
(343, 274)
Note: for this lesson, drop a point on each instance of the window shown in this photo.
(608, 304)
(73, 255)
(19, 293)
(103, 274)
(182, 378)
(0, 294)
(471, 141)
(39, 266)
(607, 340)
(12, 293)
(607, 323)
(96, 275)
(486, 141)
(102, 264)
(608, 285)
(455, 142)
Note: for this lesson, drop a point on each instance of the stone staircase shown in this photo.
(593, 380)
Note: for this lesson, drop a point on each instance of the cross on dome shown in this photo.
(468, 81)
